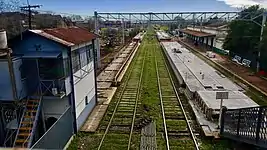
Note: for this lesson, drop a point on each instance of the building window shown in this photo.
(66, 66)
(83, 58)
(75, 57)
(89, 53)
(86, 100)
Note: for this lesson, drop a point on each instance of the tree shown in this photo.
(9, 5)
(244, 36)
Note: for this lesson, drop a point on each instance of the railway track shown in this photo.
(122, 120)
(177, 123)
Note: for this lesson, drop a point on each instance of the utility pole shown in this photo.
(29, 10)
(261, 37)
(123, 32)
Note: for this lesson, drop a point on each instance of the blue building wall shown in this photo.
(31, 73)
(20, 83)
(6, 92)
(85, 113)
(33, 42)
(5, 84)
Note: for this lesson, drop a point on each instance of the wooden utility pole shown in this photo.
(29, 10)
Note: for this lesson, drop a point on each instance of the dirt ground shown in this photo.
(242, 71)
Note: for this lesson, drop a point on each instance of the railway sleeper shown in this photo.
(127, 105)
(179, 133)
(124, 115)
(130, 90)
(125, 110)
(171, 102)
(176, 117)
(130, 93)
(129, 108)
(169, 108)
(129, 96)
(172, 109)
(127, 101)
(122, 121)
(174, 112)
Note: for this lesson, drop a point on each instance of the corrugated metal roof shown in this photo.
(197, 33)
(67, 36)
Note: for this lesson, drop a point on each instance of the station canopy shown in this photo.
(197, 33)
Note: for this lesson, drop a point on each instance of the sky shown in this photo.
(87, 7)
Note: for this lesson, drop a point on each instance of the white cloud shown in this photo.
(241, 3)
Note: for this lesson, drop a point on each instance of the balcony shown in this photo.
(53, 75)
(53, 87)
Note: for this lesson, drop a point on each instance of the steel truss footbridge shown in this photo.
(193, 18)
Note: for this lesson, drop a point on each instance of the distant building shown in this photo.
(220, 33)
(48, 88)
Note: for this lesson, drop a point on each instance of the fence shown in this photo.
(59, 134)
(248, 125)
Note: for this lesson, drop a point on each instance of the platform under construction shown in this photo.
(202, 82)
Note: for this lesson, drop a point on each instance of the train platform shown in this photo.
(202, 82)
(241, 72)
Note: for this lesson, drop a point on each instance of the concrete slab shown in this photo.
(209, 128)
(123, 55)
(206, 81)
(193, 68)
(235, 100)
(118, 60)
(109, 95)
(94, 118)
(106, 76)
(103, 85)
(113, 67)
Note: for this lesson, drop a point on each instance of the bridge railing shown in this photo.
(248, 125)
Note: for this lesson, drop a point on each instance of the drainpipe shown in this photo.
(11, 72)
(72, 96)
(95, 70)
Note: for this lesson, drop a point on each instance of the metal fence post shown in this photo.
(259, 125)
(224, 109)
(238, 122)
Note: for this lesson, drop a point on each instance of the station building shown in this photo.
(47, 87)
(208, 37)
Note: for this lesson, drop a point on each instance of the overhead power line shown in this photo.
(29, 10)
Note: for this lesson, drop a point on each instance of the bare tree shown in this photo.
(10, 5)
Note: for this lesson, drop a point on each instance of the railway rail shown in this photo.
(178, 130)
(122, 119)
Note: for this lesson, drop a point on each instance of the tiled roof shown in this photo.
(197, 33)
(68, 36)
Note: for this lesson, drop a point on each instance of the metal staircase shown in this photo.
(28, 124)
(248, 125)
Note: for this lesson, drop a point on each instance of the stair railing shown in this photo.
(20, 123)
(34, 121)
(9, 138)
